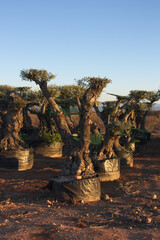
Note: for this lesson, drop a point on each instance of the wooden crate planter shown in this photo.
(16, 159)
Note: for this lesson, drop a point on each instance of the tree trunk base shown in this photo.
(66, 188)
(108, 169)
(126, 158)
(16, 159)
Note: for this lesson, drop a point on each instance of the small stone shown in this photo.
(154, 196)
(78, 177)
(8, 200)
(106, 197)
(130, 227)
(49, 206)
(49, 202)
(155, 207)
(111, 200)
(81, 225)
(148, 220)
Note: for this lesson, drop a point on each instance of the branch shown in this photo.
(78, 103)
(97, 110)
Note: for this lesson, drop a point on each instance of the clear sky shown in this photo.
(119, 39)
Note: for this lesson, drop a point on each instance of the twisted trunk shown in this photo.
(27, 122)
(70, 123)
(59, 118)
(78, 160)
(106, 150)
(14, 122)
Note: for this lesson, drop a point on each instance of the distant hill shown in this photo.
(156, 107)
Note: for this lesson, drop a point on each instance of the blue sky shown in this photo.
(119, 39)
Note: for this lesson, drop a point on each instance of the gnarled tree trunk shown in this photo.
(59, 117)
(106, 149)
(13, 124)
(78, 160)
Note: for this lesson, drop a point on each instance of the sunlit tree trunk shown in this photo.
(78, 160)
(13, 124)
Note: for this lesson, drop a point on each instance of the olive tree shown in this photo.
(142, 103)
(13, 123)
(78, 160)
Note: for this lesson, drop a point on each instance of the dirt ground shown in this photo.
(129, 208)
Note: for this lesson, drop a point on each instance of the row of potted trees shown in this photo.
(123, 120)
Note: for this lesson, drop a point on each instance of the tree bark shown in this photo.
(59, 117)
(27, 123)
(78, 160)
(106, 149)
(14, 122)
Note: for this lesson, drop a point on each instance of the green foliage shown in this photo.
(19, 103)
(120, 128)
(109, 107)
(48, 137)
(138, 134)
(119, 97)
(94, 82)
(71, 91)
(54, 91)
(96, 139)
(22, 91)
(2, 95)
(145, 96)
(68, 95)
(152, 96)
(32, 95)
(6, 90)
(28, 138)
(137, 94)
(38, 76)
